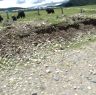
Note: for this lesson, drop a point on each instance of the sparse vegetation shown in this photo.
(53, 18)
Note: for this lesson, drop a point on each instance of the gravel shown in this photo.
(45, 67)
(63, 72)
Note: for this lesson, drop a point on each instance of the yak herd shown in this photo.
(21, 14)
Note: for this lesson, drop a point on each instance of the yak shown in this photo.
(14, 18)
(1, 18)
(50, 10)
(21, 14)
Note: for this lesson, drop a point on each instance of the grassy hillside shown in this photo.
(52, 18)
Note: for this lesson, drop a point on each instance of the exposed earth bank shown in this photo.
(38, 63)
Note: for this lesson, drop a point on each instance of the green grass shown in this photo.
(51, 18)
(84, 41)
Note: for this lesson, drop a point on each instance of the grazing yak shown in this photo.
(50, 10)
(14, 18)
(1, 18)
(21, 14)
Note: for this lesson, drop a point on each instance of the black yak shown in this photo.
(1, 18)
(14, 18)
(50, 10)
(21, 14)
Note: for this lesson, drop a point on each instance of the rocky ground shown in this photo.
(58, 72)
(38, 63)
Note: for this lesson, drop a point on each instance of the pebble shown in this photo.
(89, 88)
(24, 89)
(57, 71)
(4, 86)
(38, 63)
(90, 65)
(71, 78)
(75, 94)
(91, 71)
(42, 93)
(89, 78)
(75, 87)
(25, 65)
(30, 78)
(11, 79)
(34, 94)
(46, 66)
(94, 72)
(48, 71)
(20, 78)
(66, 70)
(56, 77)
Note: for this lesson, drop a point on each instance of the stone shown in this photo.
(75, 87)
(56, 77)
(94, 72)
(89, 88)
(34, 94)
(48, 71)
(75, 94)
(46, 66)
(90, 65)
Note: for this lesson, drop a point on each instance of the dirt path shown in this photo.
(58, 72)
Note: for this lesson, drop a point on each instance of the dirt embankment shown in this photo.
(15, 39)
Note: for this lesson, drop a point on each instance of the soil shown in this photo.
(34, 60)
(15, 39)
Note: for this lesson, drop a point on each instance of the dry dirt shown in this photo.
(15, 39)
(37, 63)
